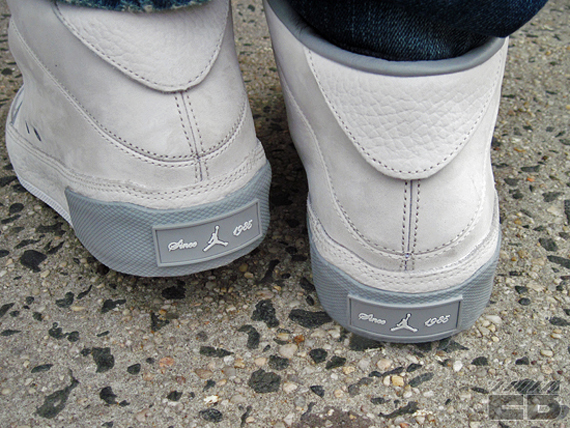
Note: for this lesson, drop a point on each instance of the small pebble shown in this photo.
(335, 362)
(318, 333)
(483, 330)
(397, 380)
(495, 319)
(203, 373)
(334, 333)
(211, 415)
(348, 370)
(289, 419)
(166, 362)
(278, 363)
(318, 389)
(457, 366)
(238, 399)
(264, 382)
(212, 399)
(384, 364)
(289, 387)
(318, 355)
(338, 393)
(260, 362)
(141, 416)
(364, 364)
(546, 353)
(300, 402)
(289, 350)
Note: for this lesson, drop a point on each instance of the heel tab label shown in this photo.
(404, 322)
(195, 242)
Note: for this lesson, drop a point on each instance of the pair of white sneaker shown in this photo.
(136, 128)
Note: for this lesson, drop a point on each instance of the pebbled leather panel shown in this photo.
(173, 54)
(408, 127)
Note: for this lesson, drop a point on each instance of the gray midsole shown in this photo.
(334, 288)
(120, 235)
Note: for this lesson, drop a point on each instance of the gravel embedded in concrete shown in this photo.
(249, 344)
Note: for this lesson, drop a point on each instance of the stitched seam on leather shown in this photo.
(211, 60)
(327, 246)
(231, 139)
(459, 145)
(352, 228)
(372, 246)
(457, 239)
(99, 128)
(185, 131)
(408, 251)
(416, 221)
(97, 184)
(225, 142)
(452, 243)
(197, 137)
(404, 217)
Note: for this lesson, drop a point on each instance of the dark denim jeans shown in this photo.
(134, 5)
(398, 30)
(411, 30)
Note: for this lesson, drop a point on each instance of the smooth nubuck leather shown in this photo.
(402, 208)
(136, 128)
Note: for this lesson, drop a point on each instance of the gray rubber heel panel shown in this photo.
(401, 317)
(135, 240)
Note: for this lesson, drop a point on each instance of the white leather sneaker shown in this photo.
(402, 209)
(136, 128)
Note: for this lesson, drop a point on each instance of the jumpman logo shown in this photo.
(404, 325)
(215, 240)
